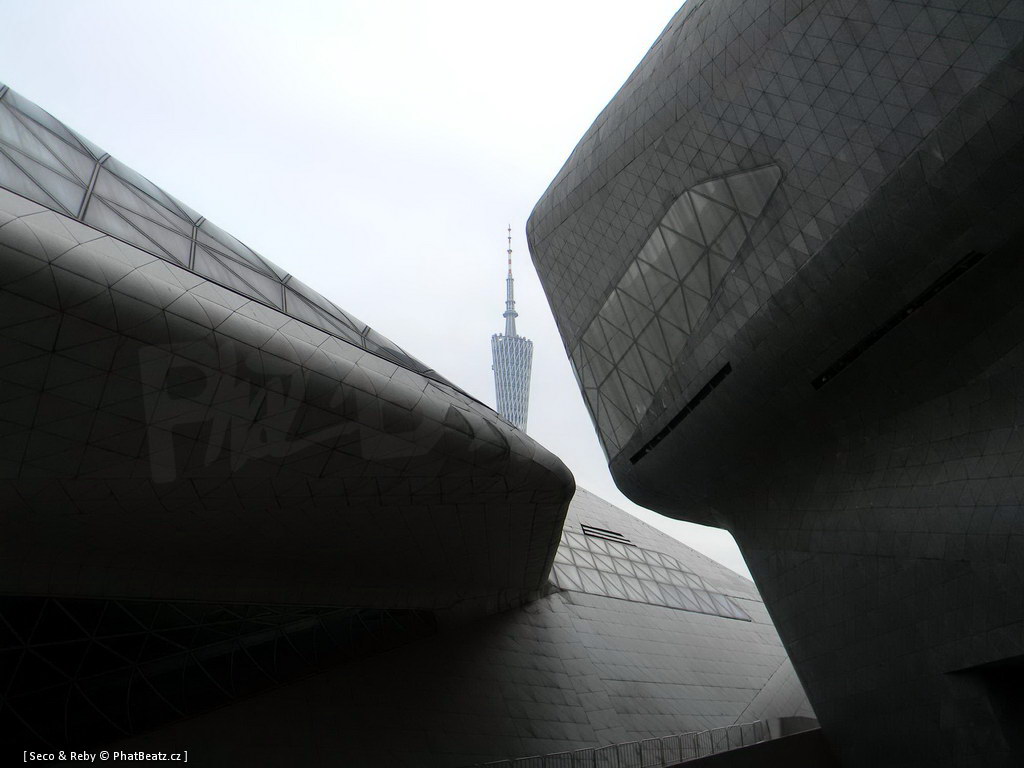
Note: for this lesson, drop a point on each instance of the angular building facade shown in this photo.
(784, 262)
(238, 521)
(164, 383)
(512, 359)
(610, 655)
(196, 441)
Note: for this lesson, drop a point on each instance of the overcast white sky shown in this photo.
(376, 149)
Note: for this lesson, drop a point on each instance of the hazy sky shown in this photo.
(375, 149)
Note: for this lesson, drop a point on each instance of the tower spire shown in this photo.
(510, 302)
(512, 357)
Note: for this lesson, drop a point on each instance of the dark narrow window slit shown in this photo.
(689, 408)
(948, 277)
(603, 533)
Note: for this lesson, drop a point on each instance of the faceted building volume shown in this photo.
(235, 519)
(785, 262)
(512, 359)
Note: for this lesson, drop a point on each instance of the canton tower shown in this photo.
(512, 357)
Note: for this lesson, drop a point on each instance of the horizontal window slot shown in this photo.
(602, 533)
(948, 277)
(689, 408)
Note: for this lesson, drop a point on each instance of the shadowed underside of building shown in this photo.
(638, 636)
(785, 263)
(236, 520)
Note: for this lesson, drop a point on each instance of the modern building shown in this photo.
(637, 636)
(512, 359)
(236, 520)
(784, 262)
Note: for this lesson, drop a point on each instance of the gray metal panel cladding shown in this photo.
(185, 421)
(863, 445)
(567, 671)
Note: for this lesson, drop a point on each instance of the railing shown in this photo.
(647, 753)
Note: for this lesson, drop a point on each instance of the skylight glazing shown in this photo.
(44, 160)
(598, 566)
(627, 351)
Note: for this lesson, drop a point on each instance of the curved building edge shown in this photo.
(783, 263)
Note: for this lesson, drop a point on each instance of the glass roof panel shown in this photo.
(653, 340)
(672, 598)
(659, 282)
(643, 570)
(110, 187)
(751, 190)
(655, 252)
(680, 217)
(326, 306)
(716, 189)
(692, 580)
(619, 550)
(576, 540)
(688, 600)
(17, 132)
(649, 557)
(102, 217)
(151, 195)
(618, 340)
(378, 341)
(647, 576)
(16, 181)
(567, 577)
(732, 237)
(638, 314)
(173, 243)
(267, 286)
(582, 557)
(712, 216)
(669, 562)
(597, 545)
(684, 253)
(612, 312)
(60, 187)
(652, 592)
(14, 132)
(661, 575)
(217, 270)
(186, 211)
(719, 266)
(302, 309)
(217, 239)
(622, 567)
(721, 602)
(87, 146)
(704, 600)
(699, 280)
(633, 589)
(632, 284)
(613, 586)
(342, 315)
(39, 115)
(695, 305)
(56, 166)
(591, 581)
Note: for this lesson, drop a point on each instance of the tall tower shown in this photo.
(512, 357)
